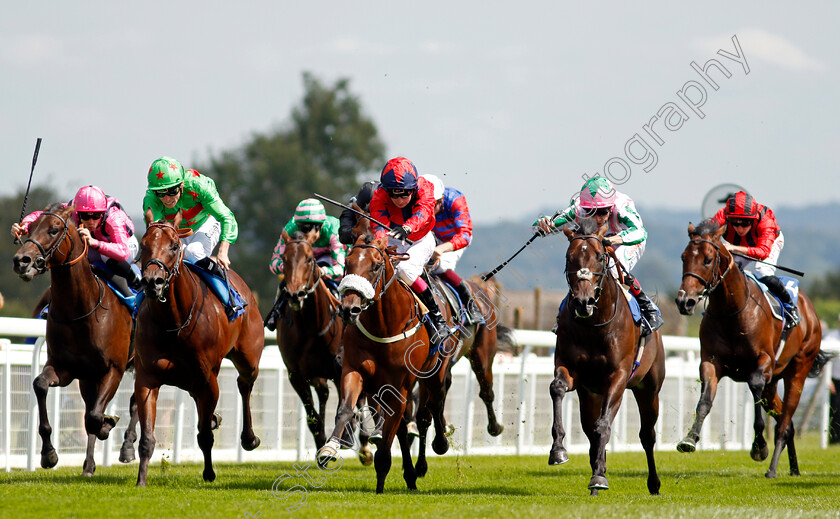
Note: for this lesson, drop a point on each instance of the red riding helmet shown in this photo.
(741, 205)
(399, 173)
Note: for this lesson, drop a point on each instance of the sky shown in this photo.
(512, 103)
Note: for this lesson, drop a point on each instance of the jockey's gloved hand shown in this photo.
(400, 232)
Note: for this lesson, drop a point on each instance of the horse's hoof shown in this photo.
(593, 492)
(412, 429)
(770, 474)
(376, 439)
(87, 473)
(327, 453)
(759, 454)
(216, 421)
(495, 431)
(49, 459)
(440, 445)
(686, 446)
(365, 456)
(421, 468)
(127, 453)
(558, 457)
(598, 483)
(252, 444)
(209, 475)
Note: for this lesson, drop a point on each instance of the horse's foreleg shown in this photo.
(351, 389)
(127, 449)
(314, 421)
(409, 474)
(481, 360)
(322, 391)
(49, 377)
(365, 454)
(557, 389)
(245, 383)
(382, 459)
(146, 402)
(601, 429)
(648, 400)
(205, 404)
(709, 377)
(784, 431)
(758, 383)
(423, 416)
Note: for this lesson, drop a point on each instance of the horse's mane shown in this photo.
(587, 226)
(369, 237)
(298, 235)
(706, 227)
(55, 207)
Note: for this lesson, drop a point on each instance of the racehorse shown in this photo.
(600, 353)
(386, 347)
(739, 338)
(309, 334)
(88, 330)
(183, 333)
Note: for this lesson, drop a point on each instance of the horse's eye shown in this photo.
(310, 260)
(174, 247)
(53, 232)
(707, 261)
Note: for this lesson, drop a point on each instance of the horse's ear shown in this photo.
(176, 222)
(285, 236)
(362, 226)
(718, 233)
(381, 242)
(568, 232)
(691, 229)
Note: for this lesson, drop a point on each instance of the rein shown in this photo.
(379, 277)
(314, 274)
(710, 284)
(585, 274)
(171, 273)
(41, 264)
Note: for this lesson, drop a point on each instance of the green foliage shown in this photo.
(327, 147)
(20, 297)
(828, 310)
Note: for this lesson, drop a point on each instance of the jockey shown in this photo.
(109, 233)
(348, 217)
(406, 203)
(600, 200)
(329, 252)
(751, 230)
(172, 190)
(453, 233)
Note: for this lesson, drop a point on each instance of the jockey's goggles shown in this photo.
(172, 191)
(603, 211)
(739, 222)
(305, 227)
(400, 193)
(90, 216)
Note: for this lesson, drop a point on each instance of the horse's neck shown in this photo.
(317, 309)
(76, 283)
(183, 291)
(732, 292)
(610, 291)
(394, 307)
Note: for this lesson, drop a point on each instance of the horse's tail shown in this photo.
(822, 358)
(505, 339)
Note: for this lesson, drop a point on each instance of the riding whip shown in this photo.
(31, 171)
(786, 269)
(485, 277)
(360, 213)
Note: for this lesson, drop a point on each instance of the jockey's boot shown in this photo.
(212, 267)
(775, 285)
(270, 320)
(652, 318)
(439, 329)
(471, 309)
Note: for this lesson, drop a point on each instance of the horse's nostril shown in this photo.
(301, 294)
(356, 310)
(159, 282)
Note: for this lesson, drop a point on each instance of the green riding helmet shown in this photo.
(165, 172)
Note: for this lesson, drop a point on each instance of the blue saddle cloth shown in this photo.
(791, 287)
(227, 294)
(635, 311)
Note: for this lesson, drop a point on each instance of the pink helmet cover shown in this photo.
(90, 199)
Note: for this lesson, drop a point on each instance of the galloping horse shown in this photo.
(183, 333)
(309, 334)
(386, 347)
(739, 338)
(600, 354)
(88, 330)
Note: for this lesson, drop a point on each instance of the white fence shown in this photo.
(522, 404)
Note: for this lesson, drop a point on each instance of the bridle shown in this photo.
(171, 272)
(40, 263)
(380, 277)
(710, 284)
(312, 282)
(584, 274)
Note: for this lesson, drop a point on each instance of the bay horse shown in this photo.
(739, 338)
(386, 348)
(309, 334)
(600, 353)
(183, 333)
(89, 330)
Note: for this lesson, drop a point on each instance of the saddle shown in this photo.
(222, 288)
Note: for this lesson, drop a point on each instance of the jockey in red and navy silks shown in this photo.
(453, 233)
(406, 203)
(752, 230)
(600, 201)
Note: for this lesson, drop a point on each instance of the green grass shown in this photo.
(703, 484)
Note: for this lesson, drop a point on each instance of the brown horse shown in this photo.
(88, 330)
(386, 348)
(600, 354)
(309, 334)
(739, 338)
(183, 333)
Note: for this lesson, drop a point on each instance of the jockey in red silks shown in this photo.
(109, 233)
(453, 234)
(752, 230)
(599, 200)
(406, 203)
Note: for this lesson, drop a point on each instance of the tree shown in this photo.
(325, 148)
(21, 297)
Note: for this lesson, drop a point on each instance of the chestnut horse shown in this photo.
(600, 353)
(309, 334)
(88, 330)
(183, 333)
(386, 348)
(739, 339)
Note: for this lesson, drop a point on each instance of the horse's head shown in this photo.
(704, 260)
(300, 270)
(160, 256)
(586, 266)
(365, 270)
(52, 238)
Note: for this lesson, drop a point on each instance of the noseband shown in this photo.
(584, 274)
(311, 283)
(169, 272)
(40, 263)
(710, 284)
(379, 277)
